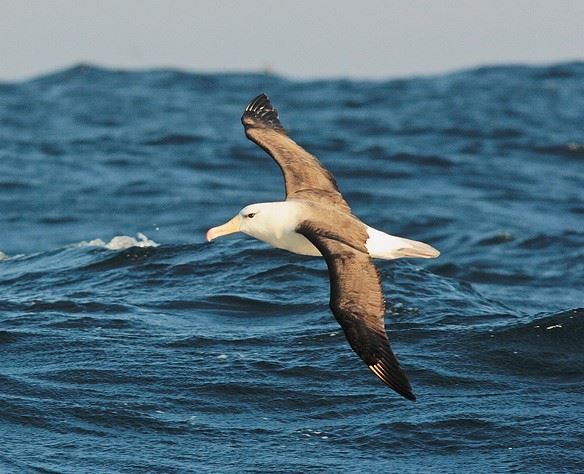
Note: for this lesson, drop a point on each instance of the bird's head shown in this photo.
(251, 220)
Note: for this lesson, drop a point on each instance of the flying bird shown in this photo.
(316, 220)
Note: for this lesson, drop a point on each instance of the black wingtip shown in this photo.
(261, 113)
(409, 396)
(390, 373)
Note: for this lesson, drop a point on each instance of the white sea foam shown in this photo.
(120, 242)
(3, 256)
(554, 326)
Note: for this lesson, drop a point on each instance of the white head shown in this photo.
(264, 221)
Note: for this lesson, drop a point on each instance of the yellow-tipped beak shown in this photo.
(228, 228)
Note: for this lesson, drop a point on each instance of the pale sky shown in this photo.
(296, 38)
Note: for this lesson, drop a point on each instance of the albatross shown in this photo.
(315, 220)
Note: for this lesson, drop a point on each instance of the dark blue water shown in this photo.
(123, 356)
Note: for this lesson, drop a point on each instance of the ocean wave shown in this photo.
(568, 150)
(120, 242)
(92, 322)
(545, 347)
(174, 139)
(562, 331)
(250, 307)
(65, 307)
(10, 337)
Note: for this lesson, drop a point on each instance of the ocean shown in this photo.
(128, 344)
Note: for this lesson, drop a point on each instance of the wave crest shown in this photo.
(120, 242)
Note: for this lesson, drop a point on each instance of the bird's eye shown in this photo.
(251, 214)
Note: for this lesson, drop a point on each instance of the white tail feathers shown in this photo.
(389, 247)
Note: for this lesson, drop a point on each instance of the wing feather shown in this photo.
(358, 305)
(304, 176)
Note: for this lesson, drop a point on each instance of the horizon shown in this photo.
(178, 69)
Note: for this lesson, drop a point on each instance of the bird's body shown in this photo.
(315, 220)
(275, 223)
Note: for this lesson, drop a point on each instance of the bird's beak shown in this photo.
(228, 228)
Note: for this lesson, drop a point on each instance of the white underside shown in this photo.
(295, 243)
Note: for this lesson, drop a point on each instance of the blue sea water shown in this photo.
(130, 345)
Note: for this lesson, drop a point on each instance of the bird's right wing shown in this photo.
(304, 175)
(358, 305)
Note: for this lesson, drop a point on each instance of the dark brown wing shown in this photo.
(358, 304)
(304, 175)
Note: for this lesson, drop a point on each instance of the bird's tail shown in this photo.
(389, 247)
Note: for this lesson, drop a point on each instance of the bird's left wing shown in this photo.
(304, 176)
(357, 302)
